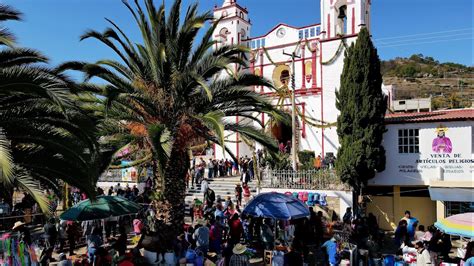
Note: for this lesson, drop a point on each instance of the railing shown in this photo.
(305, 179)
(111, 176)
(115, 175)
(7, 221)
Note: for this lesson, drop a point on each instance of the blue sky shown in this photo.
(442, 29)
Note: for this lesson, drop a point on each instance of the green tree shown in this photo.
(362, 106)
(163, 94)
(44, 136)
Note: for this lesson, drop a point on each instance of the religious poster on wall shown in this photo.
(443, 152)
(441, 143)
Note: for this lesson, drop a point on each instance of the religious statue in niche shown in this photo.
(442, 144)
(308, 70)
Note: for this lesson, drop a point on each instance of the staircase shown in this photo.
(222, 186)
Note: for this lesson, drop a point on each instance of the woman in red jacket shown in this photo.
(235, 228)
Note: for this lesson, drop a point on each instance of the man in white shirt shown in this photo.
(204, 185)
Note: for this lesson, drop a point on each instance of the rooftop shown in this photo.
(441, 115)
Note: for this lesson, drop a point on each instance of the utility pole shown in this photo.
(293, 110)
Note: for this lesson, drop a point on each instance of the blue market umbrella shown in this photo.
(100, 208)
(276, 205)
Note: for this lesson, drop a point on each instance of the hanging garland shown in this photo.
(271, 60)
(307, 119)
(314, 121)
(284, 92)
(341, 47)
(310, 48)
(268, 56)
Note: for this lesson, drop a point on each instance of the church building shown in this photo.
(318, 63)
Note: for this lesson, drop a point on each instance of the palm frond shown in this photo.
(6, 160)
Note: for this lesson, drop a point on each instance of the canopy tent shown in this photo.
(452, 194)
(100, 208)
(277, 206)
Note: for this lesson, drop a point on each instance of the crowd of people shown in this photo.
(221, 234)
(429, 243)
(328, 162)
(219, 168)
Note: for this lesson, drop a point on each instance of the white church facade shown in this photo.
(319, 50)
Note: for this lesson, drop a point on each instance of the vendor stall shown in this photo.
(277, 206)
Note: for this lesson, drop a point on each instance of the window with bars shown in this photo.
(454, 207)
(408, 141)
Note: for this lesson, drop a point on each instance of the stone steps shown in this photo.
(222, 186)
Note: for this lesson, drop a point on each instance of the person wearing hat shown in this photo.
(239, 258)
(23, 232)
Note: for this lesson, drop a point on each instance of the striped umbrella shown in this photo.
(458, 225)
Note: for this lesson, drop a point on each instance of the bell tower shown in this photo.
(344, 17)
(234, 25)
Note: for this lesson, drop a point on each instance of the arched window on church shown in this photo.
(243, 34)
(223, 34)
(341, 25)
(241, 14)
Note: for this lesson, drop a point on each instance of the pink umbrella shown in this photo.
(458, 225)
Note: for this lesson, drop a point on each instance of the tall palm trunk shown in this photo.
(175, 185)
(157, 178)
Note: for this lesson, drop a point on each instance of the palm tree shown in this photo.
(45, 137)
(162, 94)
